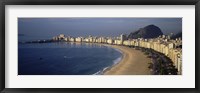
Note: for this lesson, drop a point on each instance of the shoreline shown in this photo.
(133, 62)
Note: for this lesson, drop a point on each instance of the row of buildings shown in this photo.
(163, 44)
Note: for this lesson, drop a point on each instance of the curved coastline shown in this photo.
(133, 62)
(115, 62)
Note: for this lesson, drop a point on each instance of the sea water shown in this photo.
(65, 58)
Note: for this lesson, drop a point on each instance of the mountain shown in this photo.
(150, 31)
(178, 35)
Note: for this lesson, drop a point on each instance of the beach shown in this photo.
(133, 62)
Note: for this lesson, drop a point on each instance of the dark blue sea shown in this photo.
(65, 58)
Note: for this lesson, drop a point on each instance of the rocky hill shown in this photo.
(150, 31)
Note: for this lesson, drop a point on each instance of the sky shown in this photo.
(93, 26)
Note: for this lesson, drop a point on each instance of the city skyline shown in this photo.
(162, 44)
(170, 48)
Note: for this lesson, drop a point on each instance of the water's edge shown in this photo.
(115, 62)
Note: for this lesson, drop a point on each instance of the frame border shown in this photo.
(3, 3)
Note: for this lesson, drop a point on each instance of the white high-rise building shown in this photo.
(122, 37)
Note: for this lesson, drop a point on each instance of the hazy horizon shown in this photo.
(93, 26)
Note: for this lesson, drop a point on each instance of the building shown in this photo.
(122, 37)
(78, 39)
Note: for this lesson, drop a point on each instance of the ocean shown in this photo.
(65, 58)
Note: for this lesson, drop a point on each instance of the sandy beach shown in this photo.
(134, 62)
